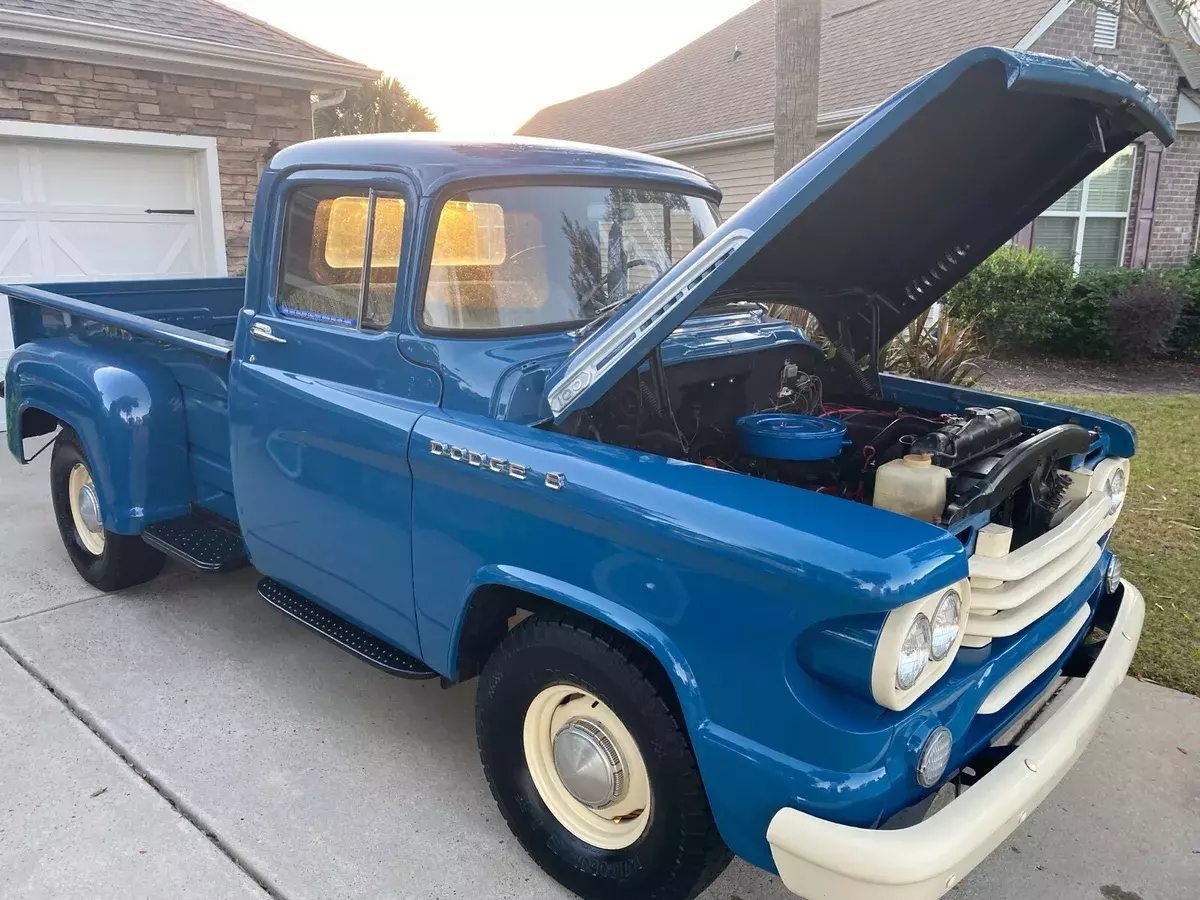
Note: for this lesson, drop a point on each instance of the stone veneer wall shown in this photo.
(247, 120)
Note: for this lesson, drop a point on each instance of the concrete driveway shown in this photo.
(184, 739)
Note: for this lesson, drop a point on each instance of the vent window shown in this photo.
(1106, 26)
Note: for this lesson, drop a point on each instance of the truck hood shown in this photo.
(882, 220)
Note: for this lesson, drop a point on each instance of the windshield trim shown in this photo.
(432, 212)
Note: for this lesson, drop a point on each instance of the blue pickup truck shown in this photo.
(515, 410)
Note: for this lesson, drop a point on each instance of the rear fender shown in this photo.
(129, 414)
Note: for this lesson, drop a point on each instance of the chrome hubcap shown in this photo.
(89, 508)
(587, 761)
(587, 767)
(85, 510)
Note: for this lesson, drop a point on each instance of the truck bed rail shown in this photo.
(134, 324)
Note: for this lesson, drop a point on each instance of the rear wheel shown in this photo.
(107, 560)
(591, 765)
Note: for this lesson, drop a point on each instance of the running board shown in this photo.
(198, 542)
(346, 635)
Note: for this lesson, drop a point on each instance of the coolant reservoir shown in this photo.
(912, 486)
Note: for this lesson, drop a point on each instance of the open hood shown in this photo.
(882, 220)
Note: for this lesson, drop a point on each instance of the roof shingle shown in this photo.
(869, 50)
(203, 20)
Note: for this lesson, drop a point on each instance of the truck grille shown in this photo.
(1012, 590)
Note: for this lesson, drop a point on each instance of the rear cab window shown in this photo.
(327, 274)
(539, 257)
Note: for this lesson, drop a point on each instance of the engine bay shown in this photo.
(792, 415)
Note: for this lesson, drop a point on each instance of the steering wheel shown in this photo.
(610, 279)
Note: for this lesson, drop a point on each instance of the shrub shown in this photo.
(944, 349)
(1083, 329)
(1015, 297)
(1032, 300)
(1186, 336)
(1141, 317)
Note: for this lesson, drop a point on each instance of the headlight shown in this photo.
(914, 653)
(1115, 488)
(917, 645)
(1112, 575)
(931, 764)
(945, 625)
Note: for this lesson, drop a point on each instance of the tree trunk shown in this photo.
(797, 78)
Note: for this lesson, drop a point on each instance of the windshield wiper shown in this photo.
(604, 313)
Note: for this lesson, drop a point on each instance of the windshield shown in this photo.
(539, 256)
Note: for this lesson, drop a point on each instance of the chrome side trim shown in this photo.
(590, 361)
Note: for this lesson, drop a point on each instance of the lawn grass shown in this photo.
(1158, 535)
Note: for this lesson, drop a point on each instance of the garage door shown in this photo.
(75, 209)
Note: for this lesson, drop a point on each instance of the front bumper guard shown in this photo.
(823, 860)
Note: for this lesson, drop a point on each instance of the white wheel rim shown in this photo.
(87, 518)
(621, 822)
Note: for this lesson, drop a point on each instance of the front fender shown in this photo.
(719, 575)
(128, 412)
(614, 615)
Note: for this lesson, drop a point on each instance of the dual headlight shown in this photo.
(929, 640)
(1111, 476)
(1114, 487)
(916, 646)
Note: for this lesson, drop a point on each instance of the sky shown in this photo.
(485, 66)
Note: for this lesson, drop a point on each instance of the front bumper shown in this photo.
(823, 860)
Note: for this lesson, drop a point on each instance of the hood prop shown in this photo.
(849, 354)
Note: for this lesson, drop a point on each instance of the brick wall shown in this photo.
(1149, 62)
(244, 118)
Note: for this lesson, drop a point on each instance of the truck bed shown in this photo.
(198, 312)
(184, 325)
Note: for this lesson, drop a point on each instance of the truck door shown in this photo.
(321, 401)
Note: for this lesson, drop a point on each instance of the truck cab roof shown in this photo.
(435, 160)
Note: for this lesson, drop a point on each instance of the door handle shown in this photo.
(262, 331)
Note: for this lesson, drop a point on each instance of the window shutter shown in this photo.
(1145, 210)
(1106, 27)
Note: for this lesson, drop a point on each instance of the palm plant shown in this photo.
(378, 107)
(936, 348)
(801, 318)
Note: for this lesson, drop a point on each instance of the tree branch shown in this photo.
(1139, 12)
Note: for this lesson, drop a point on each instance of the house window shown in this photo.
(1106, 26)
(1087, 225)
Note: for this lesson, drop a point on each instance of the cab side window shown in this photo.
(327, 274)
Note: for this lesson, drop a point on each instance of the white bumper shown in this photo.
(825, 861)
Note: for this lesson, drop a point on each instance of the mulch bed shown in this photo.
(1027, 374)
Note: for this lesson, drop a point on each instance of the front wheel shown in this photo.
(107, 560)
(592, 767)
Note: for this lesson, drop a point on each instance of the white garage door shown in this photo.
(76, 205)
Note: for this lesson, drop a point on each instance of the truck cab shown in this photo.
(517, 410)
(483, 245)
